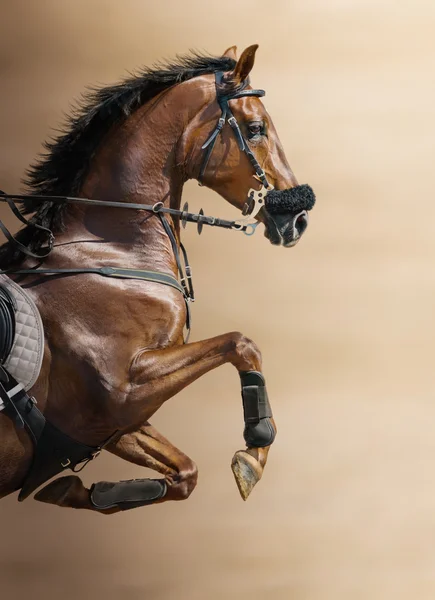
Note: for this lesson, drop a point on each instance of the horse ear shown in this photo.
(231, 53)
(244, 64)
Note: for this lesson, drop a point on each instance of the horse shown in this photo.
(114, 348)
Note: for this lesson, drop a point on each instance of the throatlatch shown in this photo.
(256, 409)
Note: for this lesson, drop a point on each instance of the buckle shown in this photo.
(261, 175)
(157, 207)
(66, 463)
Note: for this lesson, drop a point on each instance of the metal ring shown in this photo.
(157, 207)
(251, 226)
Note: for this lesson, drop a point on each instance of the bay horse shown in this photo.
(114, 349)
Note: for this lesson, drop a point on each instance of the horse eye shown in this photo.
(255, 129)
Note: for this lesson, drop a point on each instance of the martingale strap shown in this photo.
(186, 274)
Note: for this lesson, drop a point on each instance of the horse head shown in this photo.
(234, 149)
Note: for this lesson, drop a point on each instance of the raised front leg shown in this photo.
(145, 447)
(158, 375)
(155, 377)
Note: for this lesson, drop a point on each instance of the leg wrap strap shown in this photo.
(259, 431)
(127, 494)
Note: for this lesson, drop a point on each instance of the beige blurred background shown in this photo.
(346, 508)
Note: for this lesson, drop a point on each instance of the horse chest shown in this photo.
(118, 319)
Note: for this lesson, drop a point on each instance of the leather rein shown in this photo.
(253, 205)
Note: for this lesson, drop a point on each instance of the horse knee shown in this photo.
(246, 353)
(184, 482)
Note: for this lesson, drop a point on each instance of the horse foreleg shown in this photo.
(145, 447)
(158, 375)
(68, 492)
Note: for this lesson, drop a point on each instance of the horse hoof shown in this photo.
(247, 472)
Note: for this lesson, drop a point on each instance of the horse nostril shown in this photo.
(300, 222)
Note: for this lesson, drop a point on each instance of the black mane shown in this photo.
(61, 170)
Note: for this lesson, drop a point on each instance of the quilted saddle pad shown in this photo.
(25, 359)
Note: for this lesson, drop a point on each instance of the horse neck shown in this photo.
(137, 163)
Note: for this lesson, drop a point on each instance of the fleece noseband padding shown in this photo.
(293, 200)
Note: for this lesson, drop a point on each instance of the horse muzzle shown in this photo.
(286, 214)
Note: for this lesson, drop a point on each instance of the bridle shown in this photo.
(255, 200)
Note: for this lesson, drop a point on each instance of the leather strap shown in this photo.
(188, 272)
(174, 245)
(155, 208)
(185, 276)
(227, 116)
(155, 276)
